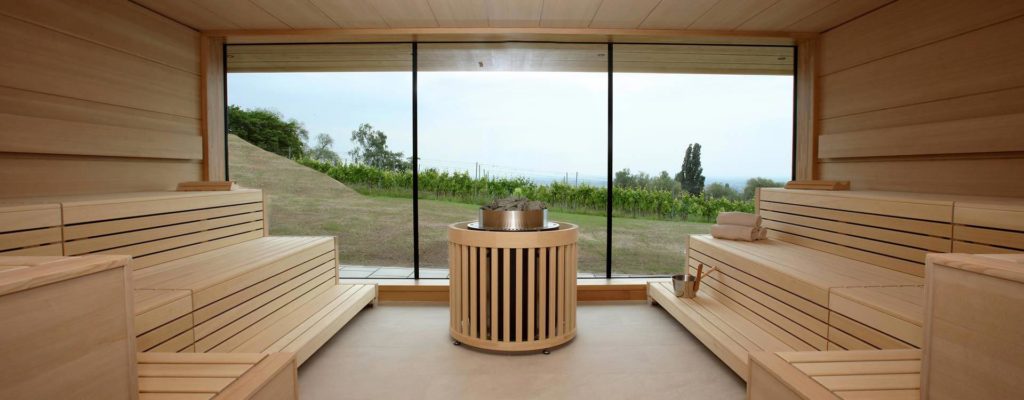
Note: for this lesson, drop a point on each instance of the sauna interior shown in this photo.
(512, 199)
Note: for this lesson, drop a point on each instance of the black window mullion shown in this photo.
(415, 170)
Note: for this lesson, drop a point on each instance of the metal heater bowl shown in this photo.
(533, 220)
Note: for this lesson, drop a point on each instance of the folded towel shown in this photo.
(735, 232)
(739, 218)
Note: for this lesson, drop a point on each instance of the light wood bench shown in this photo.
(835, 375)
(841, 270)
(864, 318)
(207, 276)
(988, 226)
(65, 328)
(234, 376)
(30, 230)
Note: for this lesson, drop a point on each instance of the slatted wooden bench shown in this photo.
(30, 230)
(988, 226)
(841, 270)
(835, 375)
(234, 376)
(207, 277)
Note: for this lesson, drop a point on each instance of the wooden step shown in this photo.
(303, 327)
(835, 375)
(237, 376)
(728, 334)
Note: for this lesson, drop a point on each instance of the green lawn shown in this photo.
(377, 230)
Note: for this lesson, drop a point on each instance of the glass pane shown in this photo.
(735, 102)
(326, 132)
(526, 119)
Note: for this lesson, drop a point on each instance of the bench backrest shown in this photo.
(988, 227)
(30, 230)
(158, 227)
(891, 230)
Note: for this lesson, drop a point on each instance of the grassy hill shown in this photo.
(378, 230)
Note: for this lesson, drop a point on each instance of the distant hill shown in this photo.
(302, 201)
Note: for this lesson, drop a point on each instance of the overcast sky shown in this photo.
(547, 124)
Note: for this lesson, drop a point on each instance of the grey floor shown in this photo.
(622, 351)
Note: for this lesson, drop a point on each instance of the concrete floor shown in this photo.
(622, 351)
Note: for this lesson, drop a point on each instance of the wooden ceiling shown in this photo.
(762, 60)
(702, 15)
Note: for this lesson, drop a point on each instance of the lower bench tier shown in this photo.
(733, 326)
(835, 375)
(237, 376)
(299, 324)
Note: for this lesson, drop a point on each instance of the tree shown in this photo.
(268, 130)
(624, 179)
(323, 149)
(371, 149)
(754, 183)
(719, 190)
(691, 176)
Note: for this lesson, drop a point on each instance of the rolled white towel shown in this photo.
(735, 232)
(739, 218)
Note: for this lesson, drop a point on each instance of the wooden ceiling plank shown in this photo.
(568, 13)
(730, 14)
(298, 14)
(188, 13)
(835, 14)
(459, 13)
(676, 14)
(622, 14)
(783, 14)
(406, 13)
(514, 14)
(243, 13)
(352, 13)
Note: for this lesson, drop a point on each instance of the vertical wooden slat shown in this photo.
(484, 299)
(530, 314)
(562, 286)
(456, 301)
(552, 290)
(506, 269)
(494, 294)
(464, 283)
(574, 257)
(451, 283)
(519, 294)
(542, 289)
(473, 299)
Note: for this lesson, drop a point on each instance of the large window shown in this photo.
(327, 134)
(333, 133)
(735, 103)
(513, 119)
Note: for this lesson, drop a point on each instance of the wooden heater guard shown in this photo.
(512, 291)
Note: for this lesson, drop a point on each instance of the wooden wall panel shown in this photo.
(44, 175)
(96, 97)
(924, 97)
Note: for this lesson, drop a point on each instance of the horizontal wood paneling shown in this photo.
(25, 176)
(982, 176)
(907, 24)
(47, 61)
(96, 97)
(125, 27)
(980, 61)
(924, 97)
